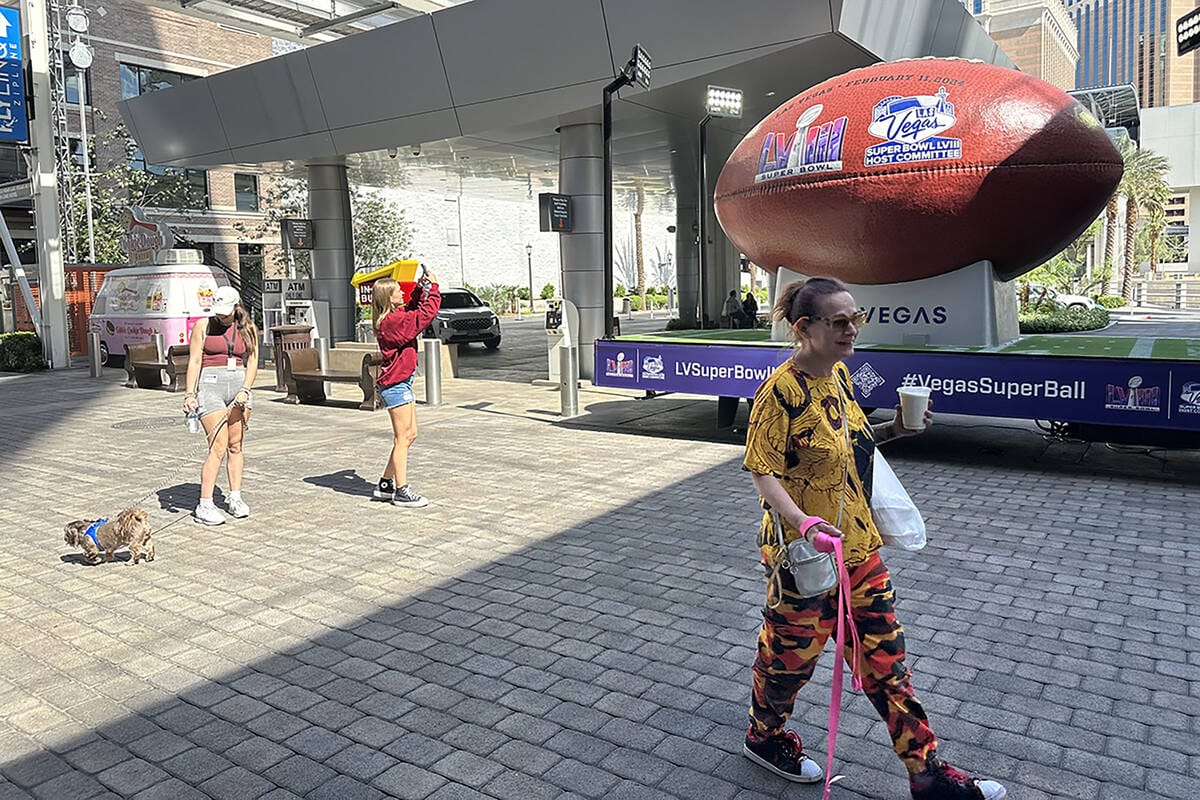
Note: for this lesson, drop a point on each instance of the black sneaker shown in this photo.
(406, 497)
(940, 781)
(784, 755)
(384, 490)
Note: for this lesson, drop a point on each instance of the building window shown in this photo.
(164, 190)
(137, 80)
(245, 190)
(250, 262)
(12, 164)
(77, 151)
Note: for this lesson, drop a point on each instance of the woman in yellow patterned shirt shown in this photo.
(810, 450)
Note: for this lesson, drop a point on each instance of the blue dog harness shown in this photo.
(91, 532)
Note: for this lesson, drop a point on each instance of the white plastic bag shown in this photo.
(897, 518)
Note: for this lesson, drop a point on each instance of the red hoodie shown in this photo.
(398, 333)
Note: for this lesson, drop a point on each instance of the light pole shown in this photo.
(529, 259)
(81, 55)
(636, 71)
(721, 103)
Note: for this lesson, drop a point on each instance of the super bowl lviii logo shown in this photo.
(910, 128)
(1134, 396)
(809, 148)
(619, 366)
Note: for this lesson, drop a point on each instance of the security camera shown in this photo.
(416, 149)
(393, 152)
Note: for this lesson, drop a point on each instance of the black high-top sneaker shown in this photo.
(405, 496)
(385, 490)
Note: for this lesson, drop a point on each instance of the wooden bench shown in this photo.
(305, 379)
(145, 370)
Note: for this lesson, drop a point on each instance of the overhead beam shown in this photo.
(363, 13)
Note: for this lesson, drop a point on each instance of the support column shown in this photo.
(52, 295)
(581, 175)
(333, 243)
(687, 269)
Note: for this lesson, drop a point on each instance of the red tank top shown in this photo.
(221, 342)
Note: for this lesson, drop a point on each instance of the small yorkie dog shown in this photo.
(100, 539)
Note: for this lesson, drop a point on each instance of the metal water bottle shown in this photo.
(193, 422)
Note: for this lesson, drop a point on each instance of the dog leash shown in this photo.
(186, 466)
(825, 543)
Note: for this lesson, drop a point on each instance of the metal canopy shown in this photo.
(483, 86)
(305, 21)
(1114, 106)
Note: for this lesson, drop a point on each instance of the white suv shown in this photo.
(1039, 295)
(464, 318)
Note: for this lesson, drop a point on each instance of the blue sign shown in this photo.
(1130, 392)
(14, 118)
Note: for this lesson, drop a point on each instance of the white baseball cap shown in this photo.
(224, 299)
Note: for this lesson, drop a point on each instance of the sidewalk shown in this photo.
(573, 616)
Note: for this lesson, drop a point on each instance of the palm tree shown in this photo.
(639, 206)
(1156, 222)
(1143, 182)
(1110, 232)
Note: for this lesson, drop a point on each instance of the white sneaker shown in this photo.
(238, 508)
(208, 515)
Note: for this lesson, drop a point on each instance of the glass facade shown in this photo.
(1123, 41)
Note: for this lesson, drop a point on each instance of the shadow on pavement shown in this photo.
(346, 481)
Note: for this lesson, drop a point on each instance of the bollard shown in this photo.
(94, 366)
(322, 345)
(568, 381)
(433, 371)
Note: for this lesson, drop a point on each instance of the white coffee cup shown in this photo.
(913, 402)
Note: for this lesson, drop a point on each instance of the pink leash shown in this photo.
(825, 543)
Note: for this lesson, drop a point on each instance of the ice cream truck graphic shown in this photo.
(134, 303)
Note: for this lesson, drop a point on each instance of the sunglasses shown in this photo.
(841, 322)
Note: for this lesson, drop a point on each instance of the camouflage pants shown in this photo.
(793, 636)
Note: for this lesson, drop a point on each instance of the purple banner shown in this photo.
(1105, 391)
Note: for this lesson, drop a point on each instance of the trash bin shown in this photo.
(284, 338)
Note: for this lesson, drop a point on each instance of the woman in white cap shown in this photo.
(222, 366)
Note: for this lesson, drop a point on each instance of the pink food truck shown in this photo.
(134, 303)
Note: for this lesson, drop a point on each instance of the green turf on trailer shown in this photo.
(1035, 345)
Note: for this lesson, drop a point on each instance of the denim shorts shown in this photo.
(398, 394)
(217, 388)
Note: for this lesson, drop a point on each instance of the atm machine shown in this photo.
(298, 308)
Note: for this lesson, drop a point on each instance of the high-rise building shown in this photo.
(1038, 35)
(1133, 41)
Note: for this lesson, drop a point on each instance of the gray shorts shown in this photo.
(217, 388)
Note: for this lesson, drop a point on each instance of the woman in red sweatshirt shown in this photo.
(397, 328)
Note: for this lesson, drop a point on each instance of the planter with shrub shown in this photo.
(21, 352)
(1108, 301)
(1067, 320)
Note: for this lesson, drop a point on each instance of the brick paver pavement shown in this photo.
(573, 616)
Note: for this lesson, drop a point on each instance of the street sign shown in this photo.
(297, 234)
(14, 117)
(15, 192)
(1187, 32)
(554, 212)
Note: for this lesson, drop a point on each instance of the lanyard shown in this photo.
(230, 340)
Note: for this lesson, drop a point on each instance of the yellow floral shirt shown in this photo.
(796, 434)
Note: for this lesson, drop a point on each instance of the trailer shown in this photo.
(1096, 387)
